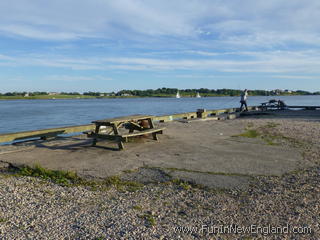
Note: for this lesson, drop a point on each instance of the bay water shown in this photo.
(25, 115)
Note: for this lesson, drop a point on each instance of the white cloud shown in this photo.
(6, 58)
(244, 22)
(262, 62)
(301, 77)
(196, 76)
(202, 53)
(33, 32)
(69, 78)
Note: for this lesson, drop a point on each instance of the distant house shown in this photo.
(277, 91)
(53, 93)
(26, 95)
(102, 95)
(125, 95)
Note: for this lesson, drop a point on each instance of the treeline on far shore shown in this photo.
(160, 92)
(211, 92)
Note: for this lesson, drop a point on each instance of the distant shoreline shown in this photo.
(66, 97)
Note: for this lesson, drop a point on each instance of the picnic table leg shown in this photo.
(154, 136)
(151, 125)
(131, 129)
(115, 129)
(116, 132)
(94, 141)
(120, 145)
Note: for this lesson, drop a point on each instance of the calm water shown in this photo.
(23, 115)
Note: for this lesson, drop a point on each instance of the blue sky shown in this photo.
(105, 45)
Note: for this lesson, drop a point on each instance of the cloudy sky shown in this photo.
(109, 45)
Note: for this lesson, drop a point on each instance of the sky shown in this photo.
(109, 45)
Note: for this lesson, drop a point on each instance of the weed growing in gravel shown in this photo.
(219, 190)
(195, 171)
(130, 170)
(270, 140)
(252, 133)
(99, 238)
(114, 180)
(121, 184)
(66, 178)
(2, 220)
(56, 176)
(48, 192)
(149, 219)
(165, 203)
(183, 184)
(137, 207)
(271, 125)
(249, 125)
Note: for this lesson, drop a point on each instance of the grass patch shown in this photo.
(196, 171)
(249, 125)
(268, 137)
(2, 220)
(252, 133)
(137, 207)
(130, 171)
(269, 140)
(149, 219)
(182, 184)
(277, 139)
(99, 238)
(120, 184)
(217, 190)
(66, 178)
(271, 125)
(57, 176)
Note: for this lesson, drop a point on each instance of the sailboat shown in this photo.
(198, 95)
(178, 95)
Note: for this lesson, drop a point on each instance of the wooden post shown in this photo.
(201, 113)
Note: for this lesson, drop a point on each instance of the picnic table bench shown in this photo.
(273, 104)
(137, 124)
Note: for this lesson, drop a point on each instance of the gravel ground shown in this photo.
(31, 208)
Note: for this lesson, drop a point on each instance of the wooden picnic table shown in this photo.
(137, 124)
(273, 104)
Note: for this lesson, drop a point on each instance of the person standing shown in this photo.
(243, 100)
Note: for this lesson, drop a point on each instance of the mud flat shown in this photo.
(257, 170)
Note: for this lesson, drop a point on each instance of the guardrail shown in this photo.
(53, 132)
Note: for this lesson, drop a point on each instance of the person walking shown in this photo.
(243, 100)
